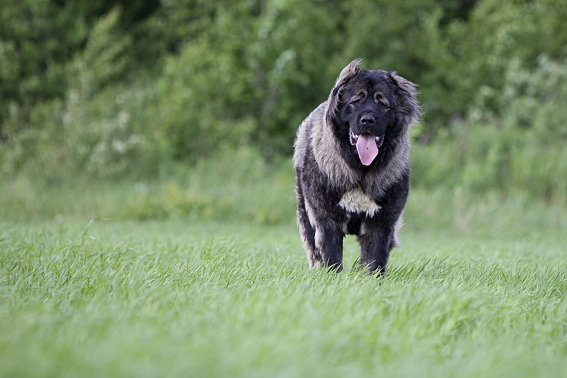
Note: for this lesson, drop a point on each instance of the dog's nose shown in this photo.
(367, 120)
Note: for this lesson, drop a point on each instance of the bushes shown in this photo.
(518, 148)
(233, 186)
(100, 127)
(185, 80)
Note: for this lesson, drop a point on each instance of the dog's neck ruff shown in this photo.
(328, 154)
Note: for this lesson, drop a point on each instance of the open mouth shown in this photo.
(366, 145)
(355, 137)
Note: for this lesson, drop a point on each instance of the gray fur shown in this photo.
(336, 193)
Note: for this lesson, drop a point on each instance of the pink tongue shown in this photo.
(367, 149)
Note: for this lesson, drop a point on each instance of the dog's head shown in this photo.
(369, 110)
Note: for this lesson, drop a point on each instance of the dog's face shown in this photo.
(368, 110)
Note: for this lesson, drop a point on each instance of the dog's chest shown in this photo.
(356, 201)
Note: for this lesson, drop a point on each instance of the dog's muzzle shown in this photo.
(367, 146)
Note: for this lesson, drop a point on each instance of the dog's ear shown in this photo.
(347, 74)
(406, 98)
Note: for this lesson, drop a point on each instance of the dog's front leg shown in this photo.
(375, 249)
(329, 243)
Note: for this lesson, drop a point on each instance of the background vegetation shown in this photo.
(132, 90)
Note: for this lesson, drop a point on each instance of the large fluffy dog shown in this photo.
(351, 165)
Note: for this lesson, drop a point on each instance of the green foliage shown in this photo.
(32, 56)
(473, 54)
(126, 90)
(246, 90)
(201, 100)
(99, 127)
(234, 187)
(38, 39)
(173, 203)
(520, 151)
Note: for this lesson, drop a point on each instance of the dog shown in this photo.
(351, 162)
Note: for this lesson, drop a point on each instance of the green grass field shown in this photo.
(477, 291)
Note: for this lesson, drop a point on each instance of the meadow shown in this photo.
(108, 280)
(146, 190)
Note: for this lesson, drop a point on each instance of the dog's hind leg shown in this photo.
(306, 230)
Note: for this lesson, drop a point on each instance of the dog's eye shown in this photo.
(359, 98)
(382, 102)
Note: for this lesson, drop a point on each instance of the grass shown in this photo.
(212, 299)
(204, 276)
(235, 187)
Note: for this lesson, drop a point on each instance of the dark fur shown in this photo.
(336, 193)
